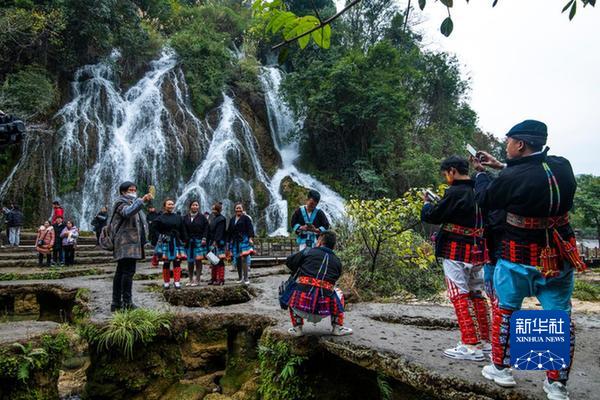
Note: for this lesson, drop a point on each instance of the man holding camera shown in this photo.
(308, 221)
(537, 254)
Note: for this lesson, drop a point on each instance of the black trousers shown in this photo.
(69, 254)
(123, 282)
(57, 254)
(41, 259)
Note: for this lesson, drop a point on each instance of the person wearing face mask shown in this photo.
(460, 245)
(171, 236)
(537, 253)
(128, 224)
(240, 234)
(196, 226)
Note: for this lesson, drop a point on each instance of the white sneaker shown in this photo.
(177, 285)
(501, 377)
(166, 285)
(246, 282)
(240, 281)
(485, 347)
(464, 352)
(556, 390)
(296, 331)
(341, 330)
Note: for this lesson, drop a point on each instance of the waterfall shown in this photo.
(283, 126)
(223, 175)
(133, 136)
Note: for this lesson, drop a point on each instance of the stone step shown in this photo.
(78, 254)
(31, 248)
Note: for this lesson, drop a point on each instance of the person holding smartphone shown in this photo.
(538, 254)
(460, 245)
(130, 232)
(308, 221)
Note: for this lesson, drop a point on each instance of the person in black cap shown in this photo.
(308, 221)
(128, 224)
(537, 254)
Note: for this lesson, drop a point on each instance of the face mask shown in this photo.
(133, 195)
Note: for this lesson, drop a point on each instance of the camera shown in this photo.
(11, 129)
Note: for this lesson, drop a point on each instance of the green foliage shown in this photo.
(280, 372)
(587, 291)
(202, 37)
(276, 19)
(127, 328)
(385, 390)
(29, 93)
(386, 224)
(587, 204)
(29, 358)
(383, 255)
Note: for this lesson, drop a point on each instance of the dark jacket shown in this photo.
(171, 225)
(196, 228)
(236, 231)
(99, 221)
(523, 189)
(493, 223)
(129, 228)
(309, 261)
(457, 207)
(14, 218)
(217, 231)
(58, 228)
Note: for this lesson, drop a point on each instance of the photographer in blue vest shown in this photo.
(308, 221)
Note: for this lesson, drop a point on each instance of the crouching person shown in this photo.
(312, 295)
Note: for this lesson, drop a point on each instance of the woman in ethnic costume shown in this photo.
(241, 234)
(170, 234)
(217, 237)
(196, 226)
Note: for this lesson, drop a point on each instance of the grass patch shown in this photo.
(127, 328)
(587, 291)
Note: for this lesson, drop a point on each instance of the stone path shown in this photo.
(407, 347)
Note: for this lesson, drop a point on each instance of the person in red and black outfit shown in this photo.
(217, 235)
(461, 246)
(57, 211)
(538, 254)
(170, 235)
(196, 226)
(312, 295)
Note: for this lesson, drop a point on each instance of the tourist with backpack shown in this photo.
(14, 221)
(126, 234)
(99, 222)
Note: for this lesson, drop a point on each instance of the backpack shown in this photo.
(106, 239)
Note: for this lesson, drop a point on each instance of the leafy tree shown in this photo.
(28, 93)
(587, 202)
(388, 223)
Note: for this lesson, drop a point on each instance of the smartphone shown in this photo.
(152, 190)
(471, 150)
(432, 196)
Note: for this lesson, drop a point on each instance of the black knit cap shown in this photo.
(125, 185)
(530, 131)
(313, 194)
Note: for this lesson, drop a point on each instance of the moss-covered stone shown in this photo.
(293, 193)
(242, 360)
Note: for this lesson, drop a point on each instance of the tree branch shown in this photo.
(321, 25)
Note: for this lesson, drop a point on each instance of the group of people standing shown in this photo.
(510, 237)
(14, 220)
(56, 240)
(195, 237)
(190, 238)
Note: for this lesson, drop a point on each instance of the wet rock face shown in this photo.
(210, 296)
(41, 302)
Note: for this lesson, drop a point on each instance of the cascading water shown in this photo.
(283, 126)
(134, 136)
(221, 176)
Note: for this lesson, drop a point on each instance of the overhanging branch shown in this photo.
(321, 25)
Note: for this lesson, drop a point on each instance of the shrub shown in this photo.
(587, 291)
(28, 93)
